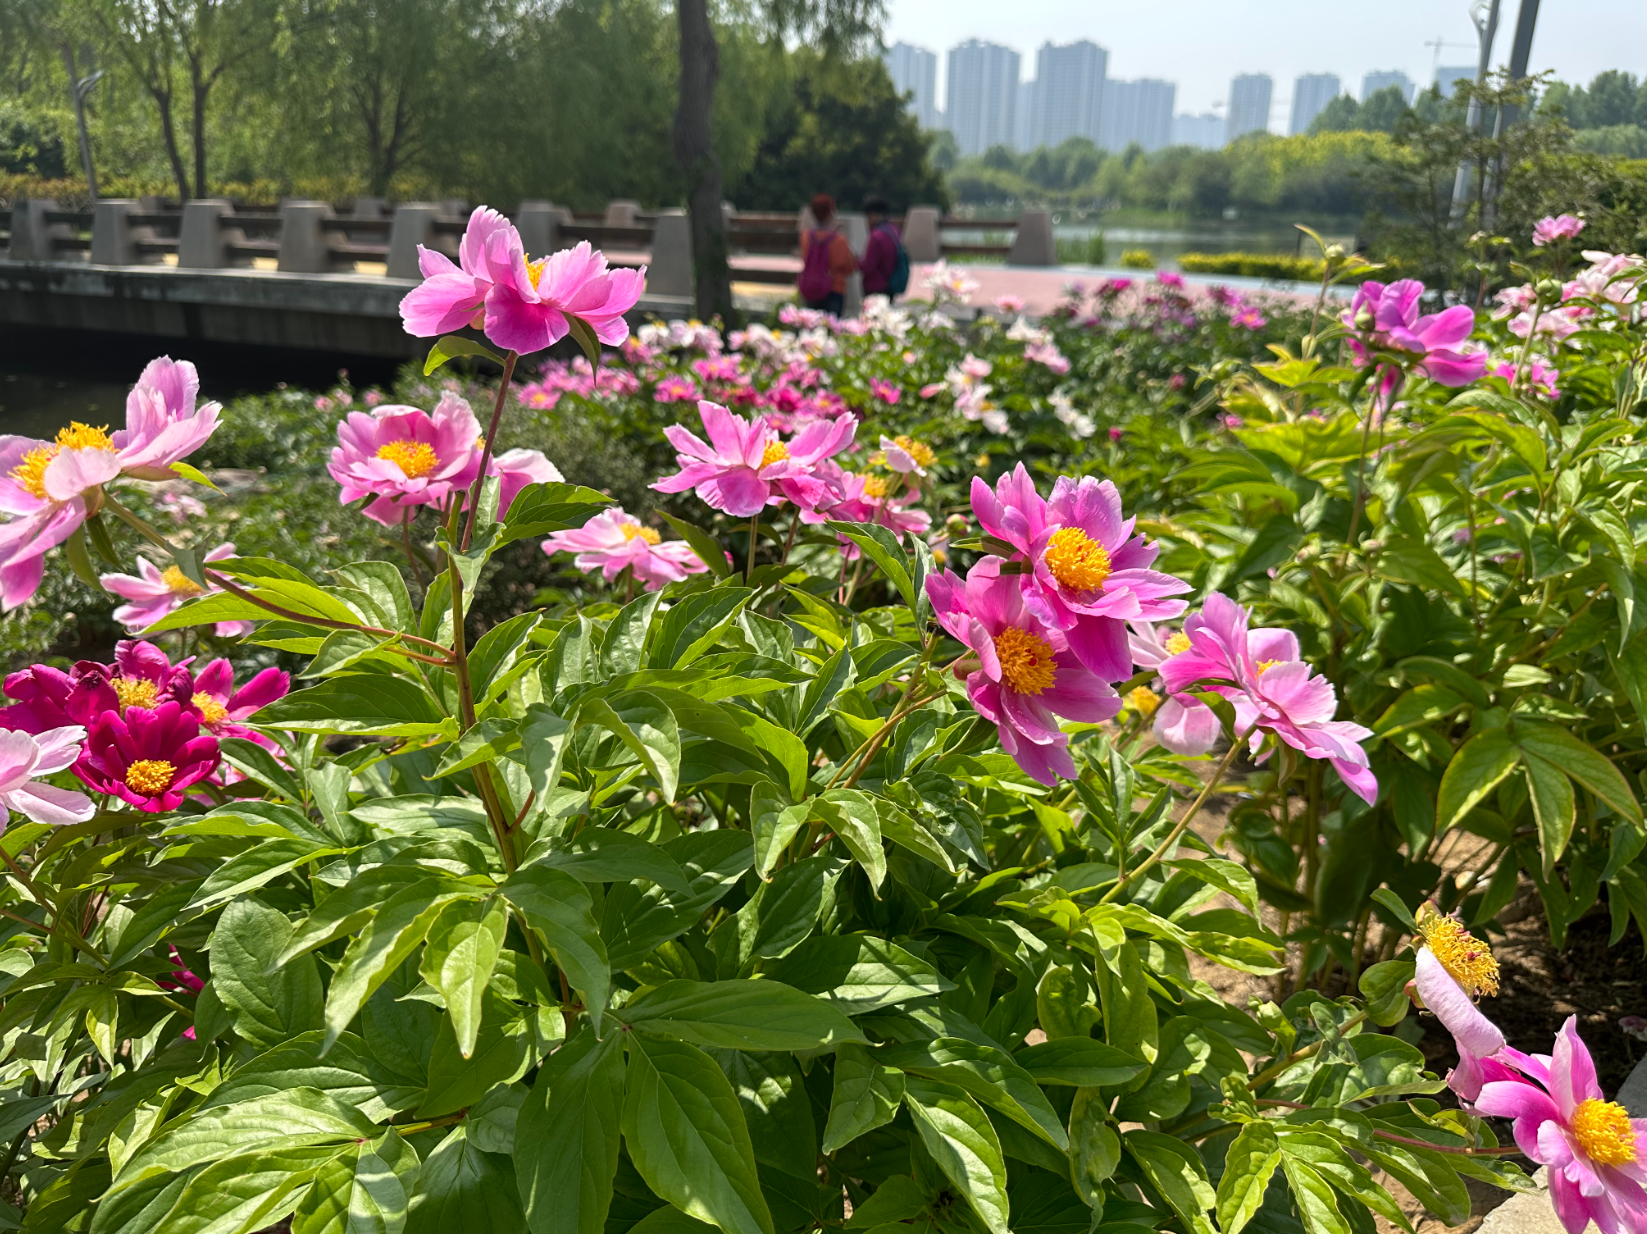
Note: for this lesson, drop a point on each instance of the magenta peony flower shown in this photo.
(406, 457)
(221, 707)
(1026, 675)
(738, 472)
(1169, 278)
(1596, 1153)
(1274, 690)
(529, 303)
(1385, 319)
(154, 592)
(1182, 723)
(885, 391)
(142, 676)
(1562, 227)
(1090, 575)
(675, 389)
(148, 757)
(23, 757)
(451, 297)
(613, 542)
(163, 424)
(1539, 375)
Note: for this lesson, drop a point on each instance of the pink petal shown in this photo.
(1449, 1003)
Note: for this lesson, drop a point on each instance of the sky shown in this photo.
(1201, 44)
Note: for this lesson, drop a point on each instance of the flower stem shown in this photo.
(62, 929)
(754, 533)
(1161, 850)
(486, 450)
(1280, 1066)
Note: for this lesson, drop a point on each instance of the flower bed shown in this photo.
(826, 843)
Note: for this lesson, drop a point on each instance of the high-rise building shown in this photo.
(981, 96)
(1378, 80)
(1137, 113)
(1249, 105)
(1069, 92)
(1205, 132)
(914, 71)
(1448, 75)
(1023, 121)
(1310, 93)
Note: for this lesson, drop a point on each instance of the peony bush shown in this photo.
(838, 851)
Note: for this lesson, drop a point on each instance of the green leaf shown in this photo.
(1079, 1061)
(694, 625)
(1175, 1170)
(459, 954)
(783, 912)
(1475, 770)
(884, 547)
(1384, 986)
(246, 1192)
(647, 727)
(557, 905)
(462, 1188)
(566, 1140)
(836, 674)
(255, 867)
(687, 1136)
(853, 818)
(705, 545)
(739, 1015)
(503, 1050)
(268, 1002)
(368, 704)
(584, 335)
(777, 1110)
(775, 824)
(1554, 805)
(1314, 1199)
(1591, 768)
(451, 346)
(865, 1096)
(1225, 875)
(1397, 909)
(858, 972)
(543, 508)
(386, 588)
(1250, 1162)
(1094, 1146)
(958, 1136)
(987, 1073)
(342, 648)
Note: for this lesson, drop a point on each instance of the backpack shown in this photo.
(898, 281)
(815, 282)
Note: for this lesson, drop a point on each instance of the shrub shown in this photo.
(1280, 266)
(1138, 259)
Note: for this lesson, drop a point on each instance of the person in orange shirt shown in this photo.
(826, 260)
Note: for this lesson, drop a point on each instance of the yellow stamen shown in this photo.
(1265, 666)
(1077, 560)
(1178, 644)
(1603, 1131)
(80, 436)
(1467, 959)
(1144, 700)
(874, 487)
(211, 711)
(534, 270)
(151, 776)
(634, 531)
(775, 452)
(1026, 660)
(135, 692)
(30, 472)
(917, 450)
(179, 583)
(414, 458)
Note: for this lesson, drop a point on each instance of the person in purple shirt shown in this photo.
(881, 252)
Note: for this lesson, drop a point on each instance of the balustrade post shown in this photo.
(1033, 244)
(921, 234)
(305, 247)
(669, 273)
(205, 234)
(413, 224)
(539, 224)
(32, 237)
(114, 239)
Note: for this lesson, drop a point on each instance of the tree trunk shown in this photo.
(79, 97)
(168, 130)
(695, 153)
(201, 88)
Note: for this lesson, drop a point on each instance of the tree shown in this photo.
(834, 26)
(1341, 115)
(846, 132)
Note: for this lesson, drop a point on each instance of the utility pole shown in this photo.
(1521, 50)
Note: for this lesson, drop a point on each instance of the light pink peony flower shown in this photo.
(1089, 574)
(1596, 1153)
(1539, 375)
(1049, 355)
(613, 542)
(905, 455)
(1026, 676)
(163, 424)
(405, 457)
(1562, 227)
(23, 757)
(741, 469)
(1009, 303)
(675, 389)
(529, 303)
(1385, 319)
(49, 489)
(1274, 691)
(451, 297)
(154, 592)
(516, 470)
(1182, 722)
(886, 391)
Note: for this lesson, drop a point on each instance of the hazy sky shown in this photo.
(1201, 44)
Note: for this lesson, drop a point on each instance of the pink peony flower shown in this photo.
(154, 592)
(905, 455)
(181, 506)
(1385, 319)
(405, 457)
(451, 297)
(222, 708)
(516, 470)
(1049, 355)
(1596, 1153)
(1183, 723)
(141, 676)
(1274, 690)
(1562, 227)
(674, 389)
(1026, 675)
(613, 542)
(1169, 278)
(738, 472)
(23, 757)
(1247, 317)
(867, 499)
(148, 757)
(1089, 574)
(1009, 303)
(886, 391)
(49, 489)
(1539, 375)
(529, 303)
(1115, 434)
(163, 424)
